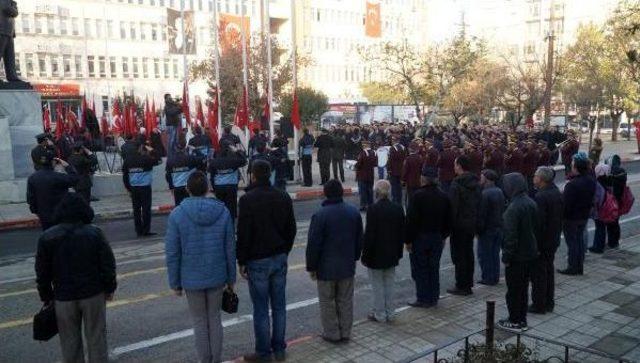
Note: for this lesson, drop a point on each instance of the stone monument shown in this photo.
(20, 115)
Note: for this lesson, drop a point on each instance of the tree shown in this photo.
(312, 105)
(524, 90)
(231, 74)
(382, 93)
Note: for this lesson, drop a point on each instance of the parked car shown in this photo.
(625, 131)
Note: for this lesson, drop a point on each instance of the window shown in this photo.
(66, 66)
(102, 67)
(75, 28)
(123, 30)
(55, 66)
(135, 67)
(42, 65)
(18, 68)
(132, 30)
(154, 32)
(91, 66)
(175, 69)
(26, 24)
(63, 26)
(145, 67)
(143, 31)
(50, 28)
(166, 69)
(98, 28)
(110, 28)
(78, 65)
(38, 21)
(156, 68)
(87, 28)
(28, 60)
(125, 67)
(112, 67)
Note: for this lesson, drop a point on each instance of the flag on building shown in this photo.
(185, 102)
(372, 24)
(230, 29)
(295, 111)
(241, 119)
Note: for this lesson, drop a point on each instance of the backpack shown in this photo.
(608, 211)
(627, 201)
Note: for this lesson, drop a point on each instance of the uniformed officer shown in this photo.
(225, 175)
(306, 153)
(39, 152)
(324, 143)
(137, 175)
(85, 163)
(179, 167)
(200, 144)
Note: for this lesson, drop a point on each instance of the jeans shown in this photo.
(462, 258)
(267, 284)
(382, 283)
(396, 189)
(604, 231)
(365, 189)
(172, 132)
(204, 307)
(381, 172)
(425, 267)
(141, 202)
(90, 314)
(336, 308)
(306, 170)
(574, 238)
(517, 276)
(488, 251)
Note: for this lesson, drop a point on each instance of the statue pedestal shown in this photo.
(20, 122)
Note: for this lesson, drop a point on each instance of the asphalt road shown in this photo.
(146, 323)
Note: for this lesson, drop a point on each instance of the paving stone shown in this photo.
(618, 318)
(579, 338)
(372, 358)
(631, 310)
(616, 344)
(619, 298)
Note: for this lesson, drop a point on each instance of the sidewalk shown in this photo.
(600, 310)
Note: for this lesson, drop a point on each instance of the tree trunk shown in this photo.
(615, 121)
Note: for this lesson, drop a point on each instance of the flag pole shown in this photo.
(294, 69)
(184, 49)
(269, 70)
(245, 97)
(216, 60)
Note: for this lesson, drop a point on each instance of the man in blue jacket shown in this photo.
(334, 245)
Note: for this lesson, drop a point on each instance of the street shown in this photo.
(146, 322)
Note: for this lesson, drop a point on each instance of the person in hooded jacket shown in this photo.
(178, 168)
(76, 271)
(465, 195)
(519, 249)
(550, 207)
(201, 229)
(614, 181)
(225, 176)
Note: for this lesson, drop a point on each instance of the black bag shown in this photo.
(229, 301)
(45, 325)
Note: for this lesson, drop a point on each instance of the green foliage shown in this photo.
(383, 93)
(312, 105)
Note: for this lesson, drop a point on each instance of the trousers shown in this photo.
(574, 238)
(462, 258)
(77, 315)
(179, 194)
(307, 177)
(517, 276)
(488, 251)
(228, 194)
(365, 189)
(425, 256)
(204, 307)
(543, 282)
(338, 165)
(336, 308)
(325, 173)
(396, 189)
(604, 232)
(141, 201)
(382, 283)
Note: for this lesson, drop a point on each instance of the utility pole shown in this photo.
(550, 65)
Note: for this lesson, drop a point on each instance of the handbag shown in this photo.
(45, 325)
(229, 301)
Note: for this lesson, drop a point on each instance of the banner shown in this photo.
(373, 27)
(230, 30)
(181, 41)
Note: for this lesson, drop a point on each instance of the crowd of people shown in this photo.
(467, 184)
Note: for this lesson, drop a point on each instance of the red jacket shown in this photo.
(446, 172)
(431, 159)
(367, 162)
(412, 171)
(397, 154)
(513, 162)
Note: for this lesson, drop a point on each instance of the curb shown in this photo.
(163, 209)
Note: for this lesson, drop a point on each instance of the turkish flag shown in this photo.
(373, 27)
(147, 118)
(154, 115)
(46, 119)
(295, 112)
(241, 118)
(104, 125)
(59, 120)
(83, 113)
(185, 102)
(230, 30)
(199, 112)
(212, 121)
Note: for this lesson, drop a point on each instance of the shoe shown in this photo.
(524, 327)
(508, 325)
(149, 234)
(330, 340)
(345, 340)
(372, 317)
(535, 310)
(254, 357)
(569, 272)
(419, 304)
(280, 356)
(460, 292)
(593, 250)
(487, 283)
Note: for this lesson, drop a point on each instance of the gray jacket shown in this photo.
(8, 13)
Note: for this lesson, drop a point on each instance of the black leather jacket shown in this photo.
(8, 13)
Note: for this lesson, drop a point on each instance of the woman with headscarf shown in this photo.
(613, 178)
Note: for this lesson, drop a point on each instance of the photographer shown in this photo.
(85, 163)
(39, 152)
(172, 112)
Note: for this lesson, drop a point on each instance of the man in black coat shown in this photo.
(337, 154)
(266, 231)
(85, 163)
(324, 143)
(39, 152)
(550, 209)
(382, 249)
(8, 14)
(172, 114)
(75, 268)
(46, 187)
(428, 225)
(465, 195)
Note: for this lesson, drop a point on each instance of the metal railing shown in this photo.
(481, 346)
